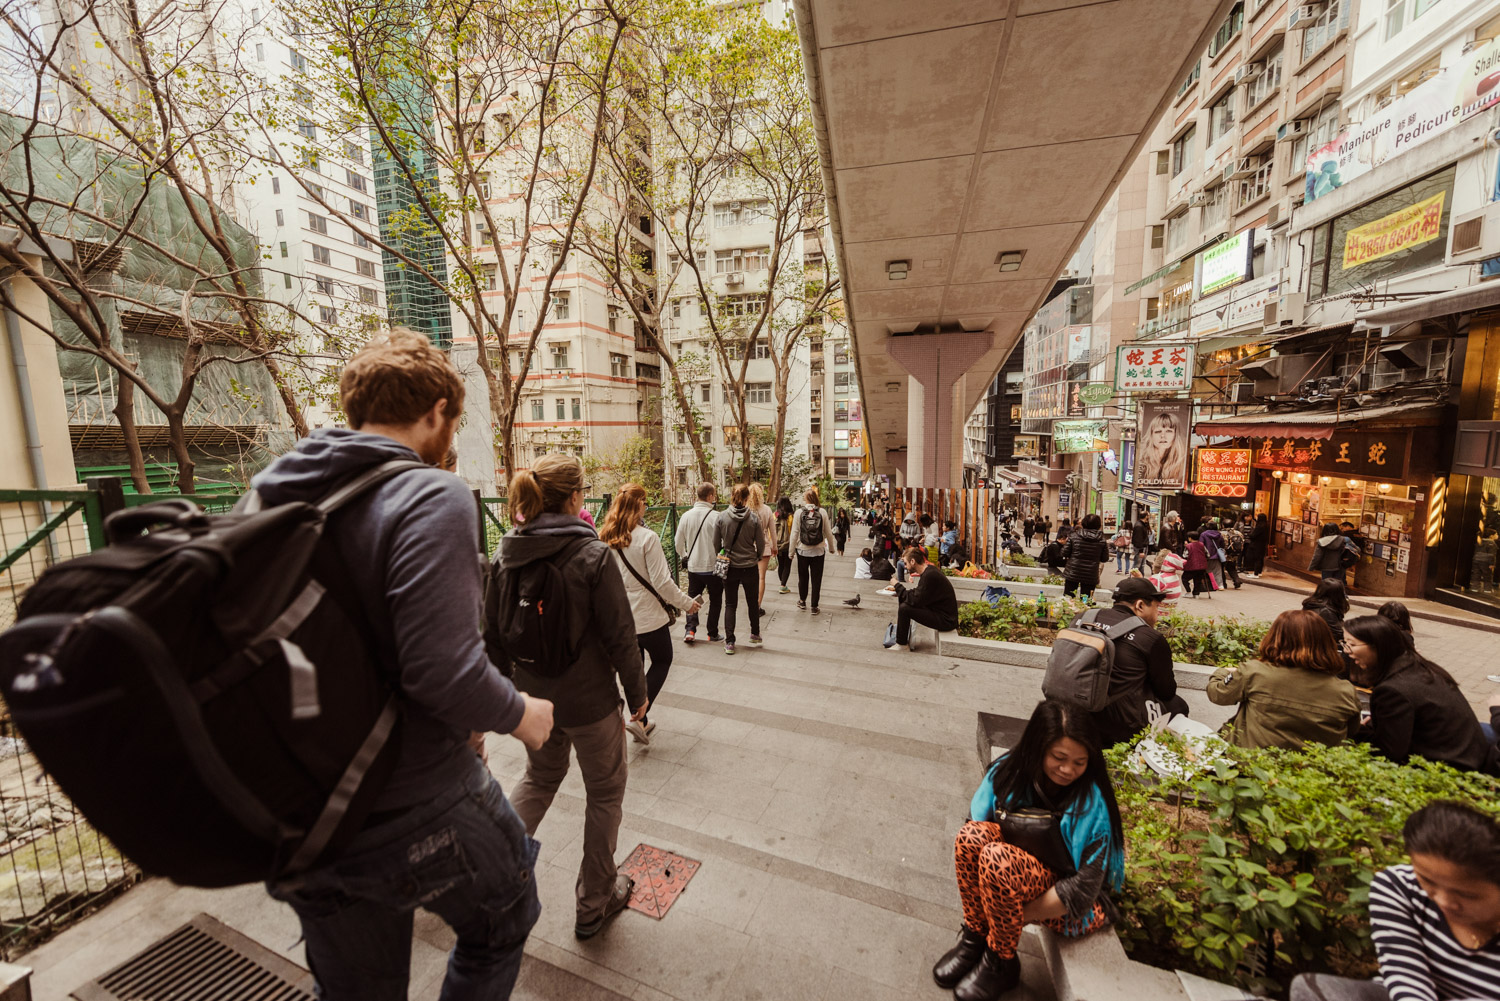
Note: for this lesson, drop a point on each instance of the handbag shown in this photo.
(671, 610)
(721, 561)
(1038, 833)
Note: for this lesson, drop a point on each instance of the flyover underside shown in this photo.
(955, 132)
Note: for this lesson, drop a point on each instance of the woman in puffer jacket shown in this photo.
(1083, 554)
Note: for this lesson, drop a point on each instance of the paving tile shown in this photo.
(772, 973)
(887, 947)
(725, 892)
(746, 800)
(671, 811)
(735, 764)
(726, 731)
(782, 844)
(797, 813)
(684, 955)
(937, 889)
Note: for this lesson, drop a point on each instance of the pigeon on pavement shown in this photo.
(852, 602)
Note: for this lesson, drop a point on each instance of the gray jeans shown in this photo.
(1327, 987)
(601, 759)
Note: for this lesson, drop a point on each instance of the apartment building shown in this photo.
(838, 436)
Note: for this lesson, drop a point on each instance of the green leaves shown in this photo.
(1269, 855)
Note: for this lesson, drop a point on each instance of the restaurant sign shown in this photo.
(1378, 455)
(1146, 368)
(1221, 489)
(1222, 465)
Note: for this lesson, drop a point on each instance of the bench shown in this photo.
(929, 640)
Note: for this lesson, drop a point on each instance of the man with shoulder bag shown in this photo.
(695, 541)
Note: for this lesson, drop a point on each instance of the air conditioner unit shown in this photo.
(1249, 71)
(1304, 15)
(1289, 130)
(734, 206)
(1245, 166)
(1242, 392)
(1278, 375)
(1199, 198)
(1407, 354)
(1276, 215)
(1474, 236)
(1286, 311)
(734, 278)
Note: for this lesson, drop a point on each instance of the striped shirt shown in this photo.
(1420, 960)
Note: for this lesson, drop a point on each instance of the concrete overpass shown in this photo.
(972, 143)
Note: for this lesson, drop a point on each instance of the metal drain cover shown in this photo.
(204, 960)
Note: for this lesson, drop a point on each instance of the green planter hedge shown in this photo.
(1260, 869)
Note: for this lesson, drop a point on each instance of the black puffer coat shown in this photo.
(1083, 553)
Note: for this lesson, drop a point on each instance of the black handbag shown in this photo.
(1038, 833)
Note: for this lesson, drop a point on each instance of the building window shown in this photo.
(359, 210)
(619, 366)
(560, 305)
(815, 426)
(1177, 231)
(308, 129)
(1216, 211)
(841, 438)
(1258, 184)
(577, 409)
(813, 261)
(356, 181)
(744, 305)
(1334, 19)
(1266, 82)
(840, 411)
(275, 185)
(760, 349)
(298, 62)
(739, 213)
(536, 410)
(842, 380)
(1182, 151)
(260, 52)
(280, 218)
(1221, 117)
(1321, 131)
(319, 224)
(324, 284)
(614, 319)
(320, 254)
(368, 296)
(327, 314)
(562, 409)
(757, 392)
(1191, 78)
(559, 356)
(366, 268)
(1228, 31)
(841, 354)
(705, 392)
(354, 152)
(1158, 237)
(1400, 13)
(1399, 87)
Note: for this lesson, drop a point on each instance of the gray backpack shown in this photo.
(1083, 659)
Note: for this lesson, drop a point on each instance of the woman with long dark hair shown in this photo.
(1436, 921)
(1257, 539)
(1331, 602)
(783, 530)
(650, 587)
(1416, 708)
(1052, 793)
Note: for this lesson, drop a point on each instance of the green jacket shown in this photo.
(1285, 706)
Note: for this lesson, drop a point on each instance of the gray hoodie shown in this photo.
(411, 550)
(602, 621)
(741, 532)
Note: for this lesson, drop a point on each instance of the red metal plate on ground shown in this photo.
(660, 877)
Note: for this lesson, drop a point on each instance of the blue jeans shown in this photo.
(1122, 557)
(464, 856)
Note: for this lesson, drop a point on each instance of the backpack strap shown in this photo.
(1124, 627)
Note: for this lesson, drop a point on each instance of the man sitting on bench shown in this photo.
(931, 602)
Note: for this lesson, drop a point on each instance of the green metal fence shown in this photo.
(660, 519)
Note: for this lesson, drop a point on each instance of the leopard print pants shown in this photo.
(995, 880)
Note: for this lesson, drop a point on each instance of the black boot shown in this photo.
(959, 960)
(990, 978)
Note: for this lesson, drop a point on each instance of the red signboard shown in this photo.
(1223, 465)
(1221, 490)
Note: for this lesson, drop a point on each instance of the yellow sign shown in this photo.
(1410, 227)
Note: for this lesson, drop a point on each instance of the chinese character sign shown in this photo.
(1161, 445)
(1153, 368)
(1375, 455)
(1410, 227)
(1223, 465)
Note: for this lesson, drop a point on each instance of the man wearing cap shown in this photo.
(1143, 665)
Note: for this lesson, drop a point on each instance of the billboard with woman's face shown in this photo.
(1161, 445)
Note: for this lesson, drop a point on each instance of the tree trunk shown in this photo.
(776, 449)
(177, 435)
(288, 398)
(125, 414)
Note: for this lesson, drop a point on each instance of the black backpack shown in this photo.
(208, 689)
(529, 618)
(811, 533)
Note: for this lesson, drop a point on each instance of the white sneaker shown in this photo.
(641, 734)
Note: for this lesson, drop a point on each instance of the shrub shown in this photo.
(1021, 560)
(1272, 849)
(1014, 619)
(1218, 642)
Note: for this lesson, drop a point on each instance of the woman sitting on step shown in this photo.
(1043, 839)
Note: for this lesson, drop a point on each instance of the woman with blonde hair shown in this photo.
(601, 636)
(1163, 457)
(767, 518)
(653, 593)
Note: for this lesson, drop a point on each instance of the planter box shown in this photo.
(1194, 676)
(1097, 968)
(972, 589)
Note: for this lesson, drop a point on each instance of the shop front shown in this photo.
(1370, 477)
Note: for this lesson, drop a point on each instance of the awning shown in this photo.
(1317, 424)
(1168, 268)
(1461, 300)
(1009, 475)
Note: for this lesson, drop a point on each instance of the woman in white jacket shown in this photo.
(650, 587)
